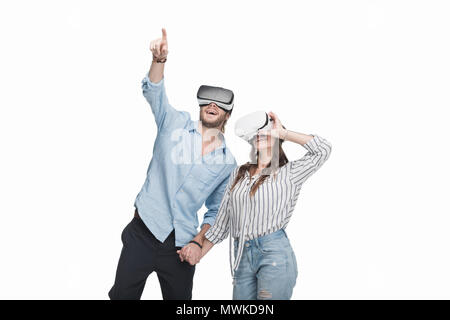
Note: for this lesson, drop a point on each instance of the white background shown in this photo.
(76, 135)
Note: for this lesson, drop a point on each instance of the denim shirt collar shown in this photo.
(193, 126)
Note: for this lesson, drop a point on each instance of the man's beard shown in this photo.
(214, 124)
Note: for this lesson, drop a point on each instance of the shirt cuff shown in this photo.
(148, 84)
(313, 144)
(211, 237)
(208, 220)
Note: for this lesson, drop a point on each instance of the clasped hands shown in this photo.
(191, 253)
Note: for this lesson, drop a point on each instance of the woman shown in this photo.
(257, 205)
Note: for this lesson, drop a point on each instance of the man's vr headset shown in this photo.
(247, 127)
(224, 98)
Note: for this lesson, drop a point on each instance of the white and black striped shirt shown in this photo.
(273, 203)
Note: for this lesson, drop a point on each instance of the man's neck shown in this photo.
(211, 138)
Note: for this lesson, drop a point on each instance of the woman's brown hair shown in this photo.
(253, 164)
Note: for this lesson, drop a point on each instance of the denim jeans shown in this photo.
(268, 269)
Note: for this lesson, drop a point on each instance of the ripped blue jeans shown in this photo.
(268, 269)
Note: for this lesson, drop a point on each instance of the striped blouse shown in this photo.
(273, 203)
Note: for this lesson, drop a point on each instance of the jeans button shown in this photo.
(247, 245)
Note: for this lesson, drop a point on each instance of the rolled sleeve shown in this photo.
(216, 236)
(147, 84)
(155, 94)
(319, 150)
(213, 203)
(209, 219)
(220, 230)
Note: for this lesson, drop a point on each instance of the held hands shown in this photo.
(191, 253)
(160, 48)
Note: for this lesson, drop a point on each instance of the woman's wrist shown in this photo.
(283, 133)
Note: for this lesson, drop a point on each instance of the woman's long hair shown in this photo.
(253, 164)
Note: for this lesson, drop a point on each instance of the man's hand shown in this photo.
(191, 253)
(159, 47)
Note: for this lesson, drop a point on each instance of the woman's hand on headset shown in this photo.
(277, 131)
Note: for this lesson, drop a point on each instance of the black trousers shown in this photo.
(142, 254)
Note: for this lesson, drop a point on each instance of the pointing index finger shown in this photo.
(164, 34)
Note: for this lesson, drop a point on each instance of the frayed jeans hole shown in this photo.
(264, 294)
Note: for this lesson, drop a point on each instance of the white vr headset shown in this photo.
(247, 127)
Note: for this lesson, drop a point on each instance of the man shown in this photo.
(190, 166)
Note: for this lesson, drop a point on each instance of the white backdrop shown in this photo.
(76, 135)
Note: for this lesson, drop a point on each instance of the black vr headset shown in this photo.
(224, 98)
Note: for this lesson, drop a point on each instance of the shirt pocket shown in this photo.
(205, 174)
(213, 171)
(197, 186)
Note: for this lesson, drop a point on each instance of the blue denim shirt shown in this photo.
(179, 179)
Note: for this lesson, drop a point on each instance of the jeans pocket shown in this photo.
(294, 264)
(274, 246)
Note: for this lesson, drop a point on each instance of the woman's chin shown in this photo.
(262, 147)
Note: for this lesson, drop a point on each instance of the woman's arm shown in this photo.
(221, 228)
(319, 151)
(295, 137)
(288, 135)
(207, 245)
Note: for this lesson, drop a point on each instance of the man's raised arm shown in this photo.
(153, 84)
(160, 50)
